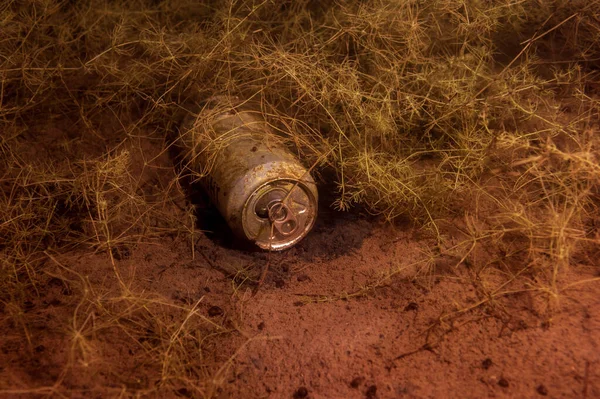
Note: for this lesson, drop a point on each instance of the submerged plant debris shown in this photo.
(456, 144)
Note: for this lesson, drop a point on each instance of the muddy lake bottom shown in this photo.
(351, 312)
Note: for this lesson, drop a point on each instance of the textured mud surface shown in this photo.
(356, 310)
(307, 333)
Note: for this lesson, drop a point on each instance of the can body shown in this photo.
(263, 192)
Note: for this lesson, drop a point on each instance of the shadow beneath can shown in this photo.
(335, 233)
(210, 221)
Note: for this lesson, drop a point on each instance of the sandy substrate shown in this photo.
(308, 333)
(356, 310)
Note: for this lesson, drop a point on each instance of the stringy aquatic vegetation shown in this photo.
(482, 110)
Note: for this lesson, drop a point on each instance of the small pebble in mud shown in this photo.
(214, 311)
(503, 383)
(120, 253)
(302, 277)
(371, 392)
(299, 303)
(279, 283)
(545, 325)
(542, 390)
(356, 382)
(261, 326)
(487, 363)
(411, 306)
(301, 393)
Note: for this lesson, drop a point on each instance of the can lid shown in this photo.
(280, 213)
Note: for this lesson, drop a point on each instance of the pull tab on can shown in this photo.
(264, 193)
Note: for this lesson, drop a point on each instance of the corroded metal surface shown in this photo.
(263, 192)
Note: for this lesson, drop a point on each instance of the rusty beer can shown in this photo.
(263, 192)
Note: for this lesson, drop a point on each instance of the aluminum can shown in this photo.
(263, 192)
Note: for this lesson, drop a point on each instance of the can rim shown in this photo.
(267, 239)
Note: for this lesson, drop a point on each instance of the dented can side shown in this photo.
(263, 192)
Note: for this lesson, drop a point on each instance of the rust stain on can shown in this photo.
(261, 189)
